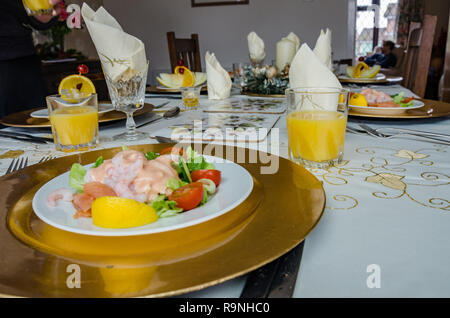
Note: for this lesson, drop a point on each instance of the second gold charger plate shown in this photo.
(431, 109)
(24, 120)
(38, 260)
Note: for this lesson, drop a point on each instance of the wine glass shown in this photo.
(128, 95)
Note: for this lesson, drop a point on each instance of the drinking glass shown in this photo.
(37, 7)
(190, 96)
(74, 123)
(128, 96)
(316, 123)
(239, 74)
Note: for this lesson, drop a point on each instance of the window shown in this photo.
(370, 34)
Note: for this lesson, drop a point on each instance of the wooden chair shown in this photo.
(418, 55)
(444, 90)
(186, 49)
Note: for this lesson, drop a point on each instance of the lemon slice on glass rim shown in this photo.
(74, 88)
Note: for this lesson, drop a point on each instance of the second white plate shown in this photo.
(102, 108)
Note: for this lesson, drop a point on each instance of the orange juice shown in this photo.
(74, 125)
(316, 135)
(36, 6)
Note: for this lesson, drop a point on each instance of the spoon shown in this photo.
(168, 114)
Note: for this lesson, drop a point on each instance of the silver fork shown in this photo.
(378, 134)
(17, 164)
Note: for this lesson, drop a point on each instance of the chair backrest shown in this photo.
(444, 89)
(186, 49)
(418, 55)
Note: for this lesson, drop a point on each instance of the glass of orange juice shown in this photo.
(74, 122)
(316, 122)
(37, 7)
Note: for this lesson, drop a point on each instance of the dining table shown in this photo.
(385, 228)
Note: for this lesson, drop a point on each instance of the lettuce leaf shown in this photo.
(98, 162)
(76, 177)
(174, 184)
(151, 155)
(165, 208)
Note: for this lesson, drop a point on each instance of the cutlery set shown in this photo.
(392, 132)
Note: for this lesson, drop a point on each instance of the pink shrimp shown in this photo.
(59, 194)
(374, 97)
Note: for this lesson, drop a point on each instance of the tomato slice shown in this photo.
(189, 196)
(211, 174)
(169, 150)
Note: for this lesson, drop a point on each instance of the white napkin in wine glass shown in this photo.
(122, 55)
(308, 71)
(218, 79)
(323, 48)
(294, 38)
(255, 47)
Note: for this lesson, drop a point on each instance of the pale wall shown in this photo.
(223, 29)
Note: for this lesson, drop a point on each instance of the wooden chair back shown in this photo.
(444, 93)
(418, 55)
(186, 49)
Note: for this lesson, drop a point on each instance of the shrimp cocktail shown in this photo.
(316, 122)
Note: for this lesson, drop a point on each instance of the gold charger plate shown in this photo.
(37, 260)
(156, 89)
(431, 109)
(24, 120)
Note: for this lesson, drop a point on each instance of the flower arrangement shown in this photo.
(54, 49)
(265, 80)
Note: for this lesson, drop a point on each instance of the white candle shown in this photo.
(286, 50)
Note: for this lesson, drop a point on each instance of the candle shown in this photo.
(286, 50)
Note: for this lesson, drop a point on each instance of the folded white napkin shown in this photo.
(255, 47)
(323, 48)
(308, 71)
(122, 55)
(294, 38)
(286, 49)
(218, 79)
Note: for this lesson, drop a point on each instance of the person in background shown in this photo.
(386, 59)
(21, 82)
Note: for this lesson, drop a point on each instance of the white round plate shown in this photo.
(386, 110)
(377, 78)
(102, 108)
(235, 186)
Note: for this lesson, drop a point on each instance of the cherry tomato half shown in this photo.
(168, 151)
(189, 196)
(213, 175)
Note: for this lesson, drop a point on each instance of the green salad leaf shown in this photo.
(174, 184)
(98, 162)
(76, 177)
(151, 155)
(164, 207)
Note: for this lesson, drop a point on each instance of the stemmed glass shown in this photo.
(128, 95)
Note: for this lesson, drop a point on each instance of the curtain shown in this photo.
(409, 11)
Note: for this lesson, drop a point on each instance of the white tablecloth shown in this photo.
(386, 228)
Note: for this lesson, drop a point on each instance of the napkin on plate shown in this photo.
(307, 71)
(255, 47)
(323, 48)
(122, 55)
(218, 79)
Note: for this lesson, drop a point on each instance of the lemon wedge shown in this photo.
(188, 76)
(117, 212)
(72, 88)
(358, 100)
